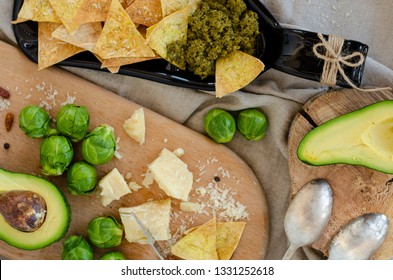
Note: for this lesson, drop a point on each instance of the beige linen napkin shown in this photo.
(279, 95)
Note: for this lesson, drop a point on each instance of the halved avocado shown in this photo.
(362, 137)
(57, 218)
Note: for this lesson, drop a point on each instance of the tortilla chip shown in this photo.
(120, 37)
(85, 37)
(145, 12)
(92, 11)
(228, 237)
(172, 29)
(66, 11)
(52, 50)
(199, 244)
(235, 71)
(37, 10)
(171, 6)
(155, 215)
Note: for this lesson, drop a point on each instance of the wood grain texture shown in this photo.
(357, 190)
(205, 159)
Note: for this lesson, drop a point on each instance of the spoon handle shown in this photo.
(290, 251)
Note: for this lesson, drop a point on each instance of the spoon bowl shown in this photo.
(308, 215)
(360, 238)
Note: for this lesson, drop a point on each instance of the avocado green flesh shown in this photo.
(57, 218)
(363, 137)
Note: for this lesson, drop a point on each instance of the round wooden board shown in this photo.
(357, 190)
(205, 159)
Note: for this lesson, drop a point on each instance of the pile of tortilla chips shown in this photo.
(210, 241)
(122, 32)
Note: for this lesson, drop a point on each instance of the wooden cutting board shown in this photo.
(209, 162)
(357, 190)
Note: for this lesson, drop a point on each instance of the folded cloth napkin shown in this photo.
(277, 94)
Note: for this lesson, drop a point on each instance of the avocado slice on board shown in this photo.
(363, 137)
(57, 218)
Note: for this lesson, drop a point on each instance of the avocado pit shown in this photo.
(23, 210)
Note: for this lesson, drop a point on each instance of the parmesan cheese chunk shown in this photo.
(113, 186)
(190, 206)
(135, 126)
(172, 175)
(155, 215)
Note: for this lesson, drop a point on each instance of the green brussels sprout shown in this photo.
(34, 121)
(73, 122)
(252, 124)
(105, 232)
(99, 146)
(56, 154)
(76, 247)
(113, 256)
(220, 125)
(81, 178)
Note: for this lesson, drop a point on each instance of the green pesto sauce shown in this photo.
(216, 28)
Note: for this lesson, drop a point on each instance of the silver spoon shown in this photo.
(308, 215)
(360, 238)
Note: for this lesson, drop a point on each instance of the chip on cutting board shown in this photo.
(235, 71)
(172, 175)
(120, 37)
(199, 244)
(228, 237)
(155, 215)
(37, 10)
(52, 50)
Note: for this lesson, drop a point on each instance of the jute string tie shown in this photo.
(333, 61)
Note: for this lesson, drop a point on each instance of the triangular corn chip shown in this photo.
(52, 50)
(37, 10)
(120, 37)
(66, 11)
(145, 12)
(199, 244)
(235, 71)
(171, 6)
(92, 11)
(172, 29)
(228, 237)
(85, 37)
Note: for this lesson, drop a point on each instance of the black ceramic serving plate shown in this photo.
(287, 50)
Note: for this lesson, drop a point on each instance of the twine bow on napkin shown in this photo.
(334, 60)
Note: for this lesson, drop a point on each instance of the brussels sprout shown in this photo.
(99, 146)
(73, 122)
(34, 121)
(220, 125)
(105, 232)
(113, 256)
(56, 154)
(252, 124)
(81, 177)
(76, 247)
